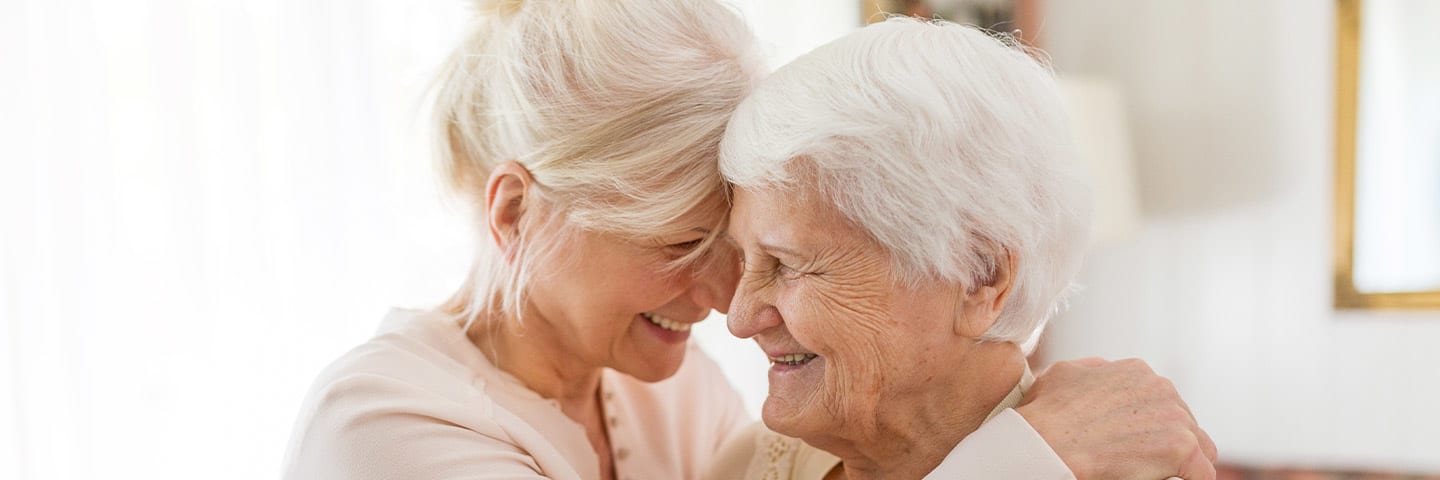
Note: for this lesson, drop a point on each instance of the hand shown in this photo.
(1117, 420)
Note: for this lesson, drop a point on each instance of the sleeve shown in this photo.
(1004, 447)
(369, 427)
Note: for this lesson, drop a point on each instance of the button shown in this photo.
(622, 453)
(614, 420)
(609, 396)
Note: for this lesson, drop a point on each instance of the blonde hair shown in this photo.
(947, 145)
(616, 109)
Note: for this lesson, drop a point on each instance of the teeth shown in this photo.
(794, 358)
(666, 323)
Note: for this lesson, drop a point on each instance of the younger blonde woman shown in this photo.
(585, 132)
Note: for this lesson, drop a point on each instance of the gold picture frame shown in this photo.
(1347, 78)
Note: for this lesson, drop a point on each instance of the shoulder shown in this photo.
(1006, 446)
(414, 362)
(401, 404)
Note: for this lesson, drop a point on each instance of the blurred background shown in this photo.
(202, 203)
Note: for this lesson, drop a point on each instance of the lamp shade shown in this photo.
(1102, 139)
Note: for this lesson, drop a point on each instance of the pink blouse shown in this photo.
(419, 401)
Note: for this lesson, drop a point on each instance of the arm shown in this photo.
(1117, 420)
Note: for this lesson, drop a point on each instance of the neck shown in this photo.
(532, 354)
(916, 430)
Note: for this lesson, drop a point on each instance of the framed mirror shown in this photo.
(1387, 143)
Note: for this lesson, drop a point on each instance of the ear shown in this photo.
(982, 305)
(505, 195)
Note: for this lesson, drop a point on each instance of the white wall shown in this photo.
(1227, 287)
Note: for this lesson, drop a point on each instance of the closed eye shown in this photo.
(788, 272)
(686, 246)
(774, 266)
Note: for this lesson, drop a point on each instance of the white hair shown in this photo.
(615, 108)
(947, 145)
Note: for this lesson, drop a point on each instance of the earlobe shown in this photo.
(981, 307)
(506, 192)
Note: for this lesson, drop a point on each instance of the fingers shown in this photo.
(1198, 467)
(1207, 445)
(1129, 412)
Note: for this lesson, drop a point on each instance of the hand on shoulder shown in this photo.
(1113, 420)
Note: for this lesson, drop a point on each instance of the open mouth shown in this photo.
(666, 323)
(793, 359)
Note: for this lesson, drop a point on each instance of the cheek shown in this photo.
(845, 312)
(628, 279)
(851, 328)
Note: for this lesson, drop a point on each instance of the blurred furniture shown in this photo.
(1242, 473)
(1102, 140)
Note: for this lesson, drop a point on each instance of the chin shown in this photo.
(654, 369)
(781, 416)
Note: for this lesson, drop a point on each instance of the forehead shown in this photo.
(784, 213)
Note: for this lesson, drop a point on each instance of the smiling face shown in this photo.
(819, 297)
(611, 301)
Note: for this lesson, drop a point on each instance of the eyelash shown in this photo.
(780, 268)
(686, 246)
(676, 251)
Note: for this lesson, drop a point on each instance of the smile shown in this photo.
(793, 359)
(666, 323)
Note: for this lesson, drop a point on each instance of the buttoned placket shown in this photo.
(619, 451)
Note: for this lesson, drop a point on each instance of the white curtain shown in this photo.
(204, 202)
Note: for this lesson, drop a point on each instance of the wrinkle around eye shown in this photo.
(755, 274)
(790, 273)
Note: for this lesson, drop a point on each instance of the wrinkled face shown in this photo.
(611, 302)
(818, 296)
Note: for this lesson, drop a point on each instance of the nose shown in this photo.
(750, 313)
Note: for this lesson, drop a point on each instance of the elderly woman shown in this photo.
(586, 133)
(907, 222)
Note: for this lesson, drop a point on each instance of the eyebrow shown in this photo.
(764, 246)
(769, 247)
